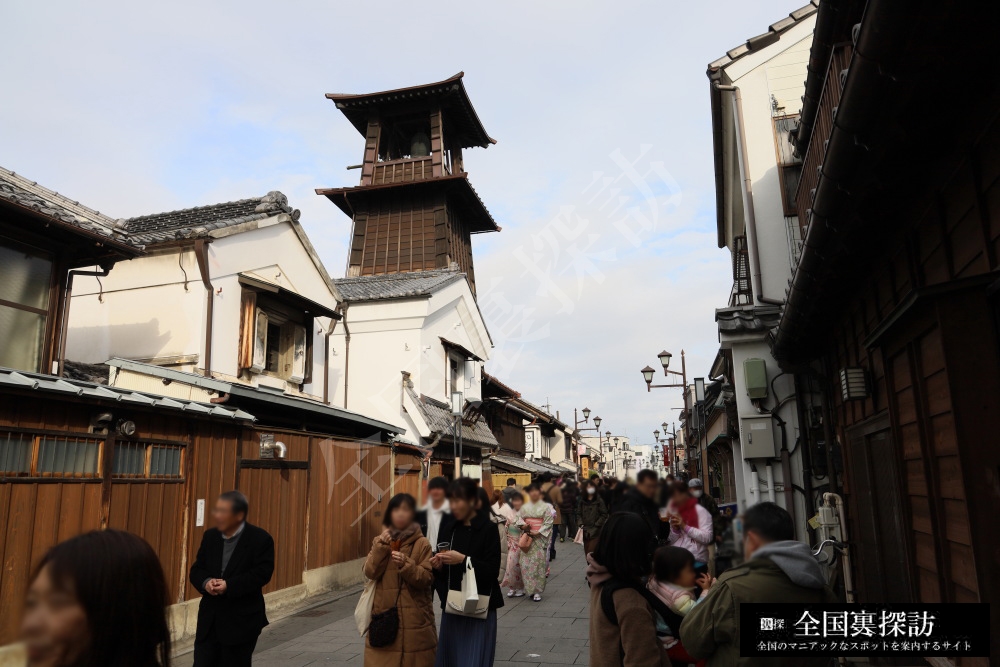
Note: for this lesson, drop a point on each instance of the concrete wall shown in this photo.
(783, 388)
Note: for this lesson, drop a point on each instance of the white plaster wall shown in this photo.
(779, 70)
(389, 337)
(140, 310)
(147, 312)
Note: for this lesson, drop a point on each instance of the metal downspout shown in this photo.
(67, 295)
(201, 254)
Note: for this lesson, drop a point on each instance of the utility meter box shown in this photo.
(757, 436)
(755, 377)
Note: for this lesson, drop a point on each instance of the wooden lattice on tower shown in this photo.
(414, 209)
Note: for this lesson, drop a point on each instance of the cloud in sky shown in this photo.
(134, 108)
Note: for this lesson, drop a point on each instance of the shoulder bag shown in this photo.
(384, 626)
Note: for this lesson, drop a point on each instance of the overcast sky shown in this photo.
(601, 178)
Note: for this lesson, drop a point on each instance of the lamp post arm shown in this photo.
(650, 387)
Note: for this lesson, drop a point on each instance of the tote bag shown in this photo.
(363, 611)
(466, 600)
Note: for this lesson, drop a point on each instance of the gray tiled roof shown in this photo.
(11, 379)
(28, 194)
(743, 320)
(438, 416)
(396, 285)
(765, 39)
(200, 220)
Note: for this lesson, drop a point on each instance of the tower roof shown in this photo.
(463, 196)
(463, 122)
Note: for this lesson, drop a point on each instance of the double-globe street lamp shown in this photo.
(669, 445)
(576, 427)
(647, 375)
(664, 357)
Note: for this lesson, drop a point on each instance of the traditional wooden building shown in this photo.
(892, 313)
(415, 209)
(147, 448)
(504, 417)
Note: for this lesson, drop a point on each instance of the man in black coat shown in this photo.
(642, 501)
(235, 561)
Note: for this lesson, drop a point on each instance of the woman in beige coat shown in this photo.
(400, 565)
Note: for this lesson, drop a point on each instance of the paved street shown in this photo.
(550, 632)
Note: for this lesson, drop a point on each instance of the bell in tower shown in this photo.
(414, 209)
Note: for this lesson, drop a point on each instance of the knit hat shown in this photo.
(695, 482)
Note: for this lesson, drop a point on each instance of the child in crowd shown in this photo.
(676, 584)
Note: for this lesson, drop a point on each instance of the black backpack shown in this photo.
(608, 604)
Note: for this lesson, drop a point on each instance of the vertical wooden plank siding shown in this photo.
(935, 369)
(36, 514)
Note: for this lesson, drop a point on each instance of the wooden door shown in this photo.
(880, 547)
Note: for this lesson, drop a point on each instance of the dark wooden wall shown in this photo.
(507, 426)
(36, 514)
(924, 325)
(399, 233)
(322, 504)
(396, 234)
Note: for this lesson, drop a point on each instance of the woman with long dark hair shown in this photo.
(400, 564)
(622, 611)
(98, 600)
(467, 641)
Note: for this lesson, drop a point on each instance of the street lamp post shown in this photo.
(457, 411)
(647, 375)
(664, 357)
(576, 427)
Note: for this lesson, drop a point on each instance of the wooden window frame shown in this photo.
(293, 323)
(788, 203)
(146, 475)
(33, 474)
(50, 312)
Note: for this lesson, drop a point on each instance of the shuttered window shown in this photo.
(281, 340)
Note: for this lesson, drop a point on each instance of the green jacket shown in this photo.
(591, 515)
(711, 630)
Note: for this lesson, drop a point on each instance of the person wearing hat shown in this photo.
(704, 499)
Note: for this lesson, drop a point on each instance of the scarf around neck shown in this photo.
(406, 533)
(689, 511)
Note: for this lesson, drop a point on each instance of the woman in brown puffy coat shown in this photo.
(400, 565)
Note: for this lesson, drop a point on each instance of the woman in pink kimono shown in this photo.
(537, 517)
(512, 576)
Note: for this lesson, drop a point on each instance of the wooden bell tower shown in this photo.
(414, 209)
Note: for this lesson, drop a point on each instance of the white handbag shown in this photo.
(363, 611)
(466, 600)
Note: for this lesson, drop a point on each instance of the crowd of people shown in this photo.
(661, 592)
